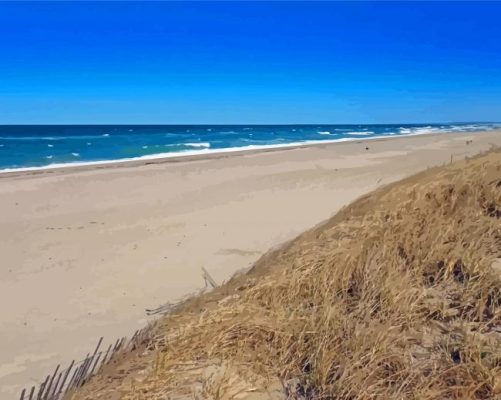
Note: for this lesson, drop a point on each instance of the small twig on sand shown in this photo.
(163, 309)
(169, 307)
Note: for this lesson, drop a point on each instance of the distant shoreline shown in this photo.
(195, 155)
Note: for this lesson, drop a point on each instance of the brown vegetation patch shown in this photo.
(396, 297)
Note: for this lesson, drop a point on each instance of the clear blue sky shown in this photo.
(244, 62)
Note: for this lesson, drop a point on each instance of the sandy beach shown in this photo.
(86, 250)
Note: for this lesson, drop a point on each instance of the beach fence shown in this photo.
(60, 382)
(57, 384)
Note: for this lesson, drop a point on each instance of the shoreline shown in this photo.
(161, 158)
(85, 254)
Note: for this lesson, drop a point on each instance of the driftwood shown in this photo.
(169, 307)
(208, 279)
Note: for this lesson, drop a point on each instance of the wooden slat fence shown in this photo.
(59, 382)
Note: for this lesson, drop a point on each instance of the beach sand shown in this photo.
(86, 250)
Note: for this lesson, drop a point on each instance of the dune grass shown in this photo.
(396, 297)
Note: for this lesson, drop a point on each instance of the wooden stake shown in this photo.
(42, 387)
(105, 356)
(95, 363)
(47, 391)
(65, 377)
(53, 394)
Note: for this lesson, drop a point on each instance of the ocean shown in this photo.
(46, 146)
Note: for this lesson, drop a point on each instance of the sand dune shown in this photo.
(86, 251)
(397, 296)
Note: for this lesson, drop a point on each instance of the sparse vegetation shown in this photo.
(396, 297)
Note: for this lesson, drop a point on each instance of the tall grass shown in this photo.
(394, 298)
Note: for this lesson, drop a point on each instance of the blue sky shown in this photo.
(244, 62)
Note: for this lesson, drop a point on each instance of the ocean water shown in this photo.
(43, 146)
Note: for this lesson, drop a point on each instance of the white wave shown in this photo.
(145, 147)
(185, 153)
(89, 143)
(50, 145)
(53, 138)
(200, 152)
(458, 128)
(324, 133)
(75, 154)
(422, 130)
(426, 130)
(363, 133)
(471, 127)
(201, 144)
(49, 157)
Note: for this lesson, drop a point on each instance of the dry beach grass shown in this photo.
(398, 296)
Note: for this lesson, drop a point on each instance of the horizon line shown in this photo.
(249, 124)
